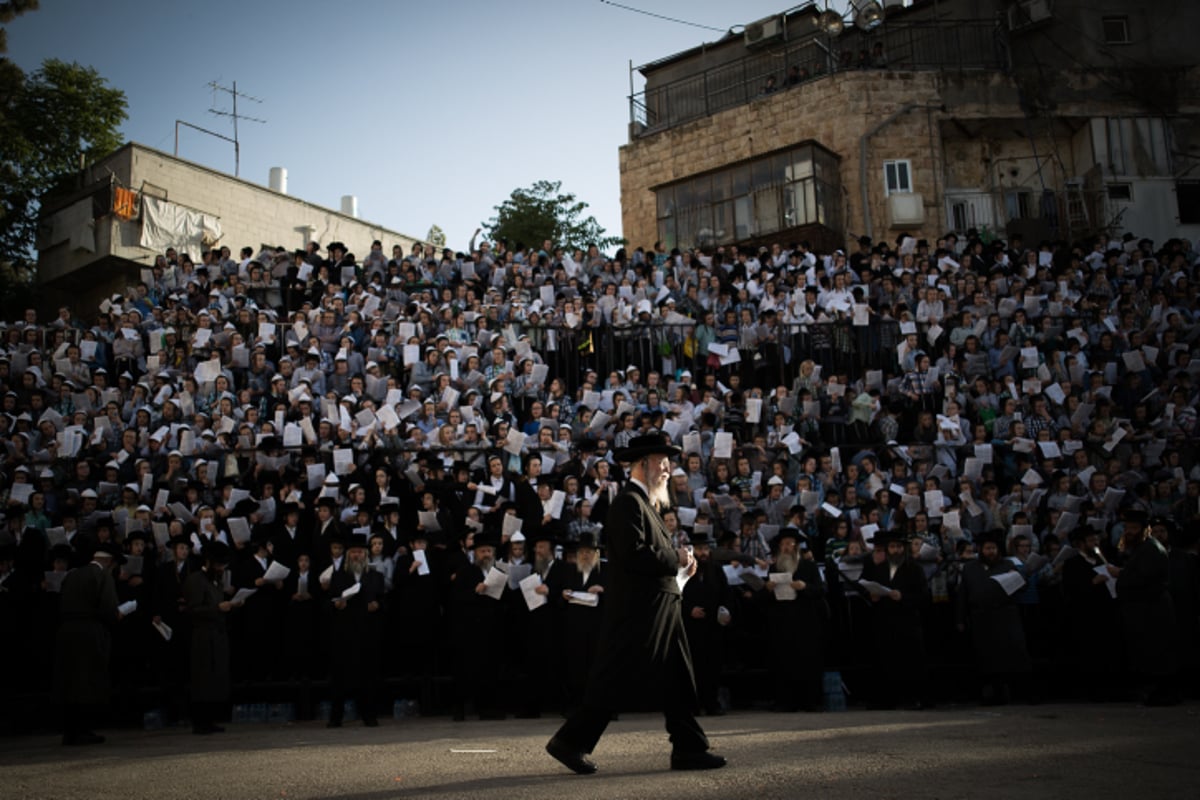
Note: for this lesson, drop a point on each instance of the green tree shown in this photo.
(543, 211)
(436, 236)
(51, 121)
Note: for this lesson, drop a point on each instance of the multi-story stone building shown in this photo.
(1052, 119)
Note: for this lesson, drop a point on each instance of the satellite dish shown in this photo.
(831, 23)
(868, 14)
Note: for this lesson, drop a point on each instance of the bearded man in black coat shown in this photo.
(358, 594)
(989, 613)
(642, 631)
(897, 634)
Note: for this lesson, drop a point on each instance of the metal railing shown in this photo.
(921, 46)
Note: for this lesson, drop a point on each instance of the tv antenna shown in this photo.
(235, 94)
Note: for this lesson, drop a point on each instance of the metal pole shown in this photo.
(237, 153)
(177, 138)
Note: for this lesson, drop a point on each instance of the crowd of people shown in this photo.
(319, 472)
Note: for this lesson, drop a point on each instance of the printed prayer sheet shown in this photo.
(781, 584)
(877, 589)
(1010, 581)
(241, 595)
(529, 586)
(276, 572)
(495, 581)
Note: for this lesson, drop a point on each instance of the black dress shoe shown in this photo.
(569, 757)
(371, 722)
(702, 760)
(333, 723)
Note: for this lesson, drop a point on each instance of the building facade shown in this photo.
(96, 238)
(1055, 120)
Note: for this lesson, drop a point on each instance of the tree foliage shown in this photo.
(50, 120)
(10, 10)
(436, 236)
(543, 211)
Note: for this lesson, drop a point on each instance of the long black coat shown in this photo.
(1147, 613)
(897, 634)
(796, 628)
(357, 632)
(1185, 595)
(87, 614)
(993, 618)
(210, 679)
(642, 632)
(582, 624)
(1091, 614)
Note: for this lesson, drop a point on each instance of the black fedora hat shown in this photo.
(652, 444)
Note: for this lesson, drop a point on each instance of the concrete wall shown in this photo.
(250, 215)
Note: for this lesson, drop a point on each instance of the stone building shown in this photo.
(89, 246)
(1052, 120)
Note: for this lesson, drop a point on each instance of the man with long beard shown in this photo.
(795, 627)
(358, 628)
(642, 631)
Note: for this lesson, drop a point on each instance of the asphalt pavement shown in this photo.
(1053, 751)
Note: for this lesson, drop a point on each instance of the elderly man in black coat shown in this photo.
(87, 614)
(642, 630)
(795, 626)
(358, 594)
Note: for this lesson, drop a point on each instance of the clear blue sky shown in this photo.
(429, 112)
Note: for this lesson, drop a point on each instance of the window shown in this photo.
(787, 189)
(1187, 193)
(1116, 30)
(1018, 205)
(1122, 192)
(1133, 146)
(897, 177)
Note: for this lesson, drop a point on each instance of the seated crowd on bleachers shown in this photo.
(978, 457)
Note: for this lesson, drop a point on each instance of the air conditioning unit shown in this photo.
(906, 210)
(1024, 13)
(763, 31)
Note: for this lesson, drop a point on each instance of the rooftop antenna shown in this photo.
(235, 94)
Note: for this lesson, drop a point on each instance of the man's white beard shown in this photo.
(585, 566)
(787, 562)
(660, 496)
(356, 568)
(485, 564)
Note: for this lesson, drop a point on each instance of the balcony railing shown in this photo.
(920, 46)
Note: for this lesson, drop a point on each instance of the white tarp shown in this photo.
(167, 224)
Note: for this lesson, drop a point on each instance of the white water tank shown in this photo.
(278, 179)
(350, 205)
